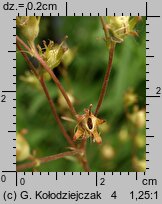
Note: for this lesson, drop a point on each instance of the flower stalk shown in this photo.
(106, 78)
(47, 159)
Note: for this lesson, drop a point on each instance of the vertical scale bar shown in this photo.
(146, 10)
(14, 106)
(146, 80)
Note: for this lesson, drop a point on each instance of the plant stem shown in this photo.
(55, 79)
(46, 159)
(104, 27)
(28, 61)
(18, 39)
(85, 164)
(84, 157)
(54, 112)
(106, 78)
(53, 108)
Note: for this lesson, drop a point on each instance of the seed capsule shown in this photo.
(89, 123)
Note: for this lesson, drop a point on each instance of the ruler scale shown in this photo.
(116, 187)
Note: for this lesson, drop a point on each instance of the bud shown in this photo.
(108, 152)
(138, 117)
(130, 98)
(139, 165)
(53, 53)
(29, 27)
(123, 135)
(22, 148)
(121, 26)
(140, 141)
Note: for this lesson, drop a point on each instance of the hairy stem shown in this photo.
(55, 79)
(106, 78)
(46, 159)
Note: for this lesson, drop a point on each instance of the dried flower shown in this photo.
(87, 126)
(53, 53)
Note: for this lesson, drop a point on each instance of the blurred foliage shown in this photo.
(82, 77)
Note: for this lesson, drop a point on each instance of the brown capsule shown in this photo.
(89, 123)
